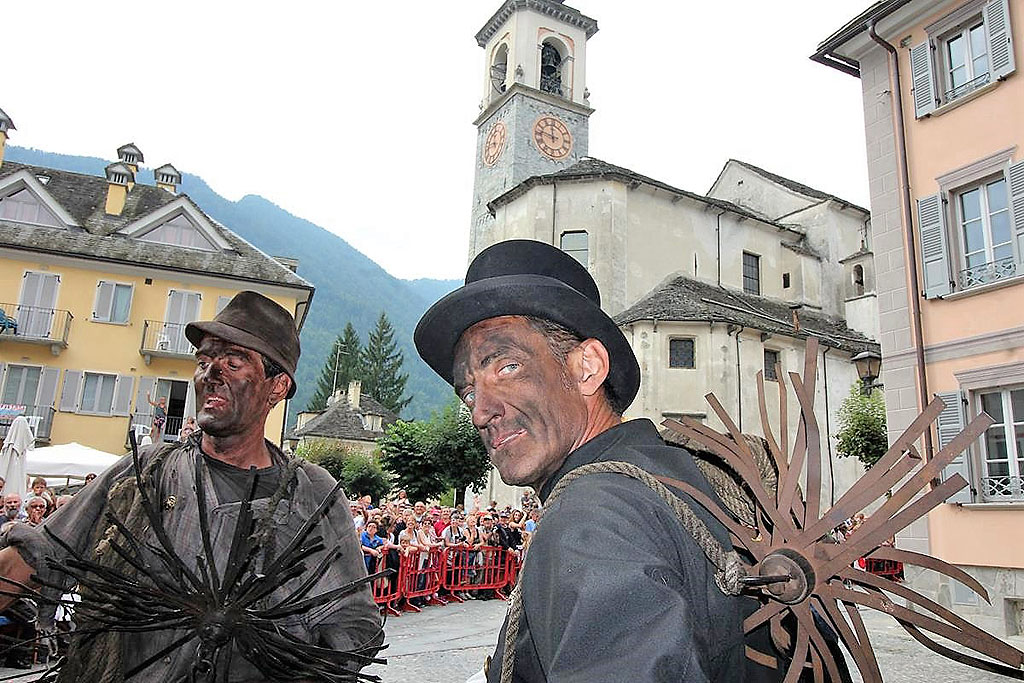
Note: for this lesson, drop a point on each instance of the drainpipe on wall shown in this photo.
(554, 229)
(739, 376)
(908, 231)
(718, 240)
(828, 423)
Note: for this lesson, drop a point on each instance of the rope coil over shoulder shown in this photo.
(729, 569)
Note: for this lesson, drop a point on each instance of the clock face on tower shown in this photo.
(552, 138)
(494, 145)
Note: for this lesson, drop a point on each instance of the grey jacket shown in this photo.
(345, 624)
(614, 588)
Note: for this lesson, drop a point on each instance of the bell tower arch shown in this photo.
(534, 112)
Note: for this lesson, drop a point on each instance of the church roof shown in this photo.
(340, 421)
(84, 198)
(684, 299)
(589, 168)
(793, 185)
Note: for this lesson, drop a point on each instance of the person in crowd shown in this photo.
(187, 429)
(90, 477)
(246, 361)
(420, 509)
(546, 375)
(372, 546)
(12, 508)
(3, 483)
(39, 489)
(35, 508)
(63, 500)
(455, 540)
(443, 521)
(358, 516)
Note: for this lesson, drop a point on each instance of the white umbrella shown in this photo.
(12, 456)
(68, 461)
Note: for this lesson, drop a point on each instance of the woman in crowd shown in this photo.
(454, 538)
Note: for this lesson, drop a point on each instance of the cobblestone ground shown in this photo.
(449, 644)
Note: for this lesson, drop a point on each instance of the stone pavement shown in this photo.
(449, 644)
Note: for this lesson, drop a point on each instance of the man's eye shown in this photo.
(468, 397)
(508, 368)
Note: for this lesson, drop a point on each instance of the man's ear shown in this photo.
(279, 389)
(594, 366)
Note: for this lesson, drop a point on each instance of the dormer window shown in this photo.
(24, 207)
(180, 231)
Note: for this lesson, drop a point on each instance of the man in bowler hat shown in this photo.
(614, 588)
(245, 365)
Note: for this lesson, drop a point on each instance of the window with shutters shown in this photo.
(20, 385)
(972, 234)
(1002, 445)
(113, 302)
(97, 393)
(681, 354)
(966, 50)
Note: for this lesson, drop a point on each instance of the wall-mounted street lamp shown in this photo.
(869, 366)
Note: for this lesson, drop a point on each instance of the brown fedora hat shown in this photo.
(255, 322)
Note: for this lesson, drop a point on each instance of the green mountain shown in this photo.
(349, 286)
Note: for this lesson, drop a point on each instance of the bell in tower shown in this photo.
(550, 69)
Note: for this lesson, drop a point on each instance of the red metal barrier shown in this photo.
(420, 577)
(481, 569)
(387, 591)
(889, 569)
(514, 564)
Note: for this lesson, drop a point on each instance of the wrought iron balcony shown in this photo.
(40, 419)
(35, 325)
(165, 340)
(1000, 489)
(987, 272)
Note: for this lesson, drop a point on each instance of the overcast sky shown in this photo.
(358, 115)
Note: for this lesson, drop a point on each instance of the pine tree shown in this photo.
(343, 364)
(382, 367)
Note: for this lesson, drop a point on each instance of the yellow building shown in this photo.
(98, 278)
(943, 105)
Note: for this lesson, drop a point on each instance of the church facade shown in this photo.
(709, 289)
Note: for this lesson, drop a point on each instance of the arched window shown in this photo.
(550, 69)
(858, 280)
(499, 69)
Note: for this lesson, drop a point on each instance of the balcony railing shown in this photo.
(987, 272)
(999, 489)
(39, 416)
(161, 338)
(964, 88)
(34, 324)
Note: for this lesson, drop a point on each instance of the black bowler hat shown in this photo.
(525, 277)
(255, 322)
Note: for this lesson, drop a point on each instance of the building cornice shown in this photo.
(525, 90)
(551, 8)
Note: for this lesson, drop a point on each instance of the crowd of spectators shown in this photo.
(398, 528)
(25, 619)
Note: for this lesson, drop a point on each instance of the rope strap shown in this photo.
(729, 569)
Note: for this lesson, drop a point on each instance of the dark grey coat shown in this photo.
(615, 589)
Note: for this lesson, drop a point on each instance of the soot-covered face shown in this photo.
(524, 401)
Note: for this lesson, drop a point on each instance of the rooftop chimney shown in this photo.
(354, 388)
(167, 178)
(120, 181)
(5, 125)
(130, 156)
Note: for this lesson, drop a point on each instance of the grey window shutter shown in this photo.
(1000, 42)
(934, 246)
(123, 395)
(190, 401)
(921, 76)
(46, 394)
(1016, 178)
(143, 411)
(104, 300)
(69, 395)
(3, 378)
(950, 423)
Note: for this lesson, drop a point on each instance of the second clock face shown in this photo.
(552, 137)
(495, 143)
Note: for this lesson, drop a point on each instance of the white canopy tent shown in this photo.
(61, 464)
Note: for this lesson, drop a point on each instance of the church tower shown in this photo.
(534, 112)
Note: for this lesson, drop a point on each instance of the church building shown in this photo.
(709, 288)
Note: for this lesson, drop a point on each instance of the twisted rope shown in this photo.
(729, 569)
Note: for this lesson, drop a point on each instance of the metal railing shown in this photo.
(987, 272)
(965, 88)
(34, 323)
(161, 338)
(42, 415)
(1002, 489)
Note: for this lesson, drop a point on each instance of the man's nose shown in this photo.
(486, 407)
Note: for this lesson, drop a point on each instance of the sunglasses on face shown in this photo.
(36, 507)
